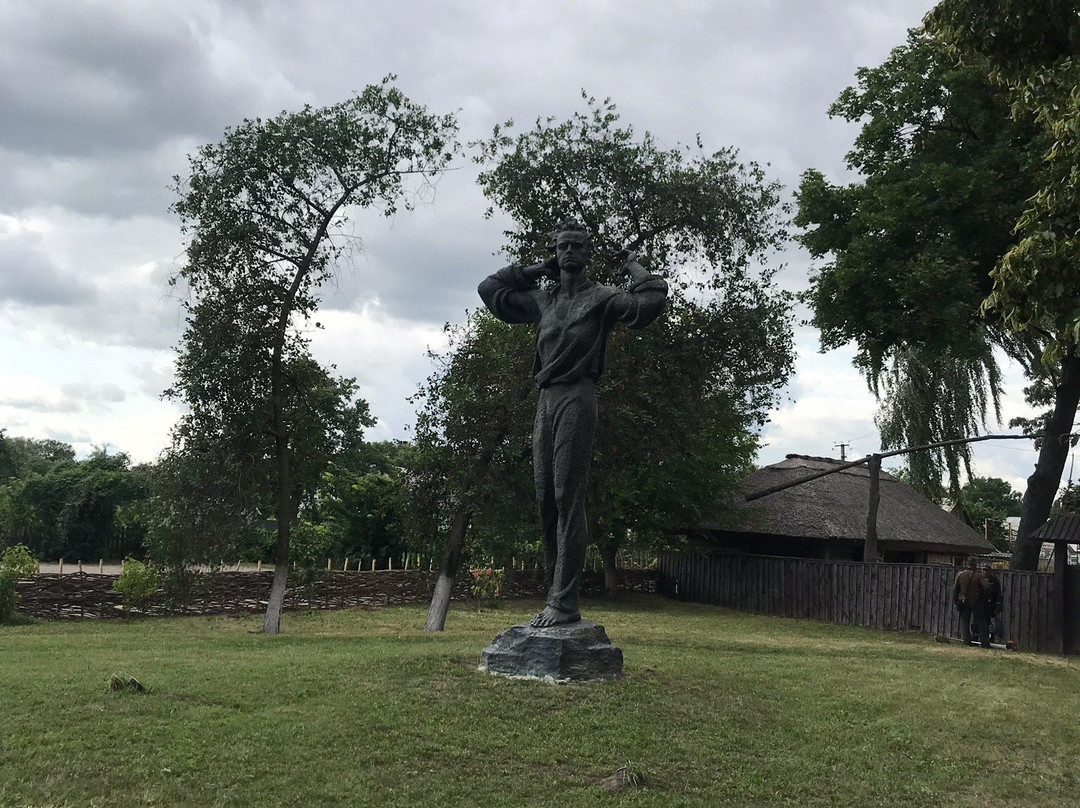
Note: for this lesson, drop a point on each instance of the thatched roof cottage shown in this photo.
(826, 518)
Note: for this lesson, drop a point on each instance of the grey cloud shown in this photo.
(424, 265)
(29, 278)
(126, 309)
(67, 436)
(82, 79)
(40, 405)
(101, 102)
(154, 377)
(116, 186)
(94, 393)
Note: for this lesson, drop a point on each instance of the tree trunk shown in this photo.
(448, 570)
(272, 621)
(1042, 485)
(285, 510)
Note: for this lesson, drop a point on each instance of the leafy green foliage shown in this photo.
(909, 248)
(1033, 49)
(473, 441)
(361, 502)
(1069, 501)
(7, 458)
(486, 583)
(15, 562)
(690, 211)
(137, 582)
(60, 507)
(310, 545)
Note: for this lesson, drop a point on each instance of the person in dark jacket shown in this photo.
(968, 591)
(992, 604)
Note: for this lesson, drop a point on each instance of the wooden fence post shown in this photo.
(870, 547)
(1061, 563)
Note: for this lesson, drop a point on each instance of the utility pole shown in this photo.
(843, 447)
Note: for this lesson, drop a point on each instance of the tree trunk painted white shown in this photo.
(451, 561)
(272, 621)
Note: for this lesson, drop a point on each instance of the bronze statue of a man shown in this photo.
(573, 318)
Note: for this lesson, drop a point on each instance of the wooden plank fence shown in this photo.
(896, 597)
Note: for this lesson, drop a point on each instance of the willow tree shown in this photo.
(1032, 51)
(264, 212)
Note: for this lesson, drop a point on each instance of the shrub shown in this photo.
(137, 583)
(15, 563)
(486, 583)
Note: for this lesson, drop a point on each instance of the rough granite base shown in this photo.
(577, 652)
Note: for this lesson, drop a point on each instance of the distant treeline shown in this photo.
(104, 507)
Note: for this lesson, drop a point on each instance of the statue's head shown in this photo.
(572, 245)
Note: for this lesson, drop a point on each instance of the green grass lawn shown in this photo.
(363, 708)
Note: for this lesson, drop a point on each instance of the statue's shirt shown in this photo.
(572, 331)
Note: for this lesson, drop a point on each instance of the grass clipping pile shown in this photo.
(625, 778)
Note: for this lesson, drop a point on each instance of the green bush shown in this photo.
(15, 563)
(486, 583)
(137, 583)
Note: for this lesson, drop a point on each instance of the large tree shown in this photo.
(908, 248)
(360, 502)
(264, 212)
(470, 470)
(680, 402)
(1032, 50)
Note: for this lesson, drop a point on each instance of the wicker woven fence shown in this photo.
(86, 595)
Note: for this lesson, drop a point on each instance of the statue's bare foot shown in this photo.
(553, 617)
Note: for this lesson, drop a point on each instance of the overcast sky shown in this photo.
(100, 102)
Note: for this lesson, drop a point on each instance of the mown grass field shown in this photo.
(362, 708)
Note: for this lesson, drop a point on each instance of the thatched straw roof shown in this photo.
(835, 507)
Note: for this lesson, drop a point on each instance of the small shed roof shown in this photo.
(836, 506)
(1064, 529)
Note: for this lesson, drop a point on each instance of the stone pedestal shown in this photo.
(577, 652)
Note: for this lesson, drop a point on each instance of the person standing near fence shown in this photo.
(969, 588)
(992, 604)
